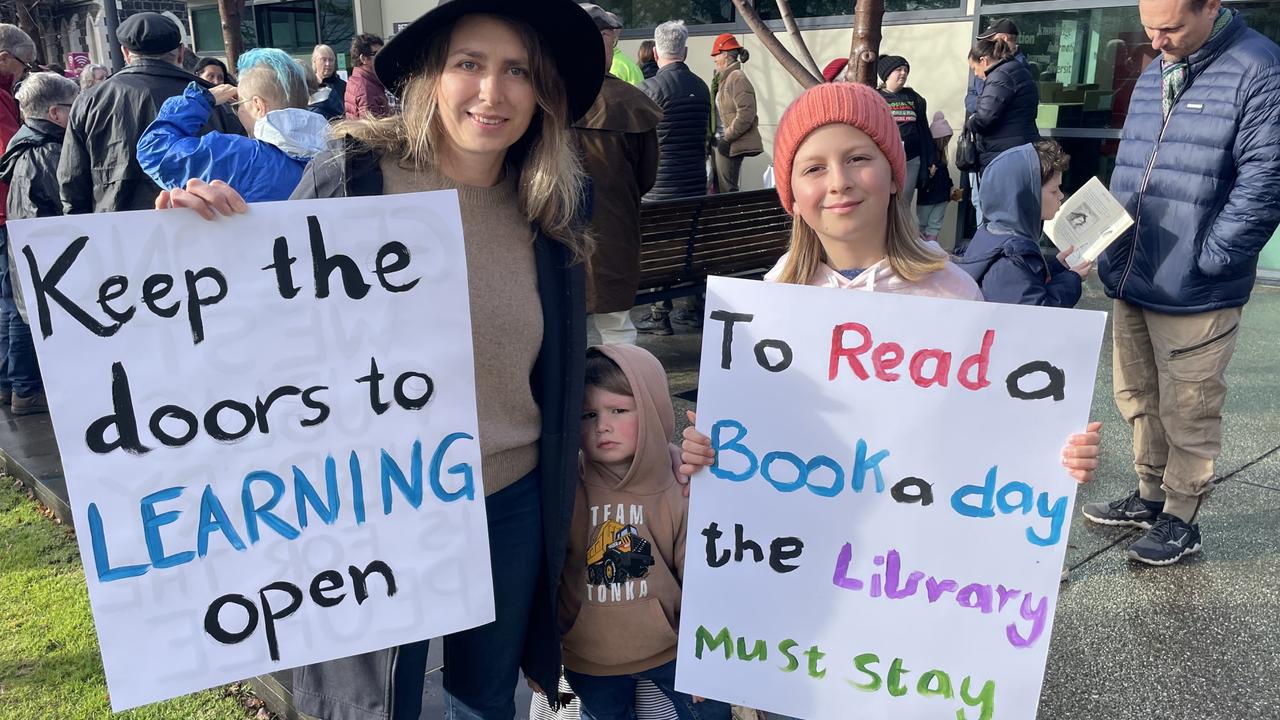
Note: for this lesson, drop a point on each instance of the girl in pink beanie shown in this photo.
(839, 166)
(840, 170)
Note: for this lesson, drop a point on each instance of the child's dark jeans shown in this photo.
(613, 697)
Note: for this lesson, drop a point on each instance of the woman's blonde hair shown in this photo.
(910, 258)
(550, 174)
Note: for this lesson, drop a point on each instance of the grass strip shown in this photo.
(49, 661)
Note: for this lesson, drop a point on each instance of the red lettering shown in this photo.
(882, 364)
(838, 350)
(941, 366)
(981, 361)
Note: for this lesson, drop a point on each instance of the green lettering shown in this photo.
(814, 655)
(863, 663)
(704, 638)
(759, 651)
(896, 688)
(986, 699)
(927, 686)
(785, 647)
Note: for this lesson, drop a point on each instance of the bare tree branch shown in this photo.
(868, 16)
(789, 19)
(775, 46)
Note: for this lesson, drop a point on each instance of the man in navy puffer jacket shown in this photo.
(1199, 171)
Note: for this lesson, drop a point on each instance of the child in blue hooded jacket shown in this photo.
(1021, 189)
(272, 104)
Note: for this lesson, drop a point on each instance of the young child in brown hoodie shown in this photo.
(620, 590)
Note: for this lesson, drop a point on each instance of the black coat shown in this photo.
(30, 166)
(923, 146)
(1005, 113)
(359, 687)
(98, 170)
(331, 105)
(682, 133)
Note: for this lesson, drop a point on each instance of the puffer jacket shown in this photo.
(1004, 256)
(98, 170)
(1202, 187)
(365, 96)
(261, 170)
(682, 133)
(1004, 115)
(736, 103)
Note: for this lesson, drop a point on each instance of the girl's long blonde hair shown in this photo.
(906, 251)
(545, 158)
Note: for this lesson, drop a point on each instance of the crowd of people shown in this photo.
(553, 138)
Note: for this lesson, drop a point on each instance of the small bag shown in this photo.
(967, 152)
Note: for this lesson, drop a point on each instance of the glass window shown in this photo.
(651, 13)
(207, 27)
(768, 9)
(337, 26)
(288, 26)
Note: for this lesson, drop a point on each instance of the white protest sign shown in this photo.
(882, 533)
(268, 428)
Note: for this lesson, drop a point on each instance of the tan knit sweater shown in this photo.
(506, 317)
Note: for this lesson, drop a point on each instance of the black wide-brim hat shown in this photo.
(567, 32)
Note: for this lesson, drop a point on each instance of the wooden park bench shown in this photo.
(683, 241)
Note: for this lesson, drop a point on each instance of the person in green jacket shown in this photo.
(623, 68)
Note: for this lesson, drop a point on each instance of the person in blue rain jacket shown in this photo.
(271, 102)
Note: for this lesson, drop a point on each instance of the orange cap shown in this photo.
(724, 41)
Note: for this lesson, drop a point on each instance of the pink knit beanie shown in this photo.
(848, 103)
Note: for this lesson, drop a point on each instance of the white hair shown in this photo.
(43, 90)
(670, 38)
(16, 42)
(315, 50)
(88, 74)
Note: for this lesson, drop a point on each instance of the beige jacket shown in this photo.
(736, 103)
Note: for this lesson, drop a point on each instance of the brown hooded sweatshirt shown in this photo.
(620, 590)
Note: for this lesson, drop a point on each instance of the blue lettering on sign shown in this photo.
(308, 503)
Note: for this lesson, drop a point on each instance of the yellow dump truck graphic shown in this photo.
(618, 553)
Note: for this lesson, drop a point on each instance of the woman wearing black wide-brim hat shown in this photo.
(488, 90)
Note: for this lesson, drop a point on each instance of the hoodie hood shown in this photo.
(1010, 193)
(300, 134)
(32, 134)
(652, 469)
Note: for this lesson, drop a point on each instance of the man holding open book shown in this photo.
(1199, 170)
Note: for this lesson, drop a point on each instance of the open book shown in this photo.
(1090, 220)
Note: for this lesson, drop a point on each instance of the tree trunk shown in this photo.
(231, 12)
(775, 47)
(868, 15)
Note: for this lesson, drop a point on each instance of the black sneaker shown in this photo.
(654, 325)
(1130, 510)
(1167, 542)
(687, 316)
